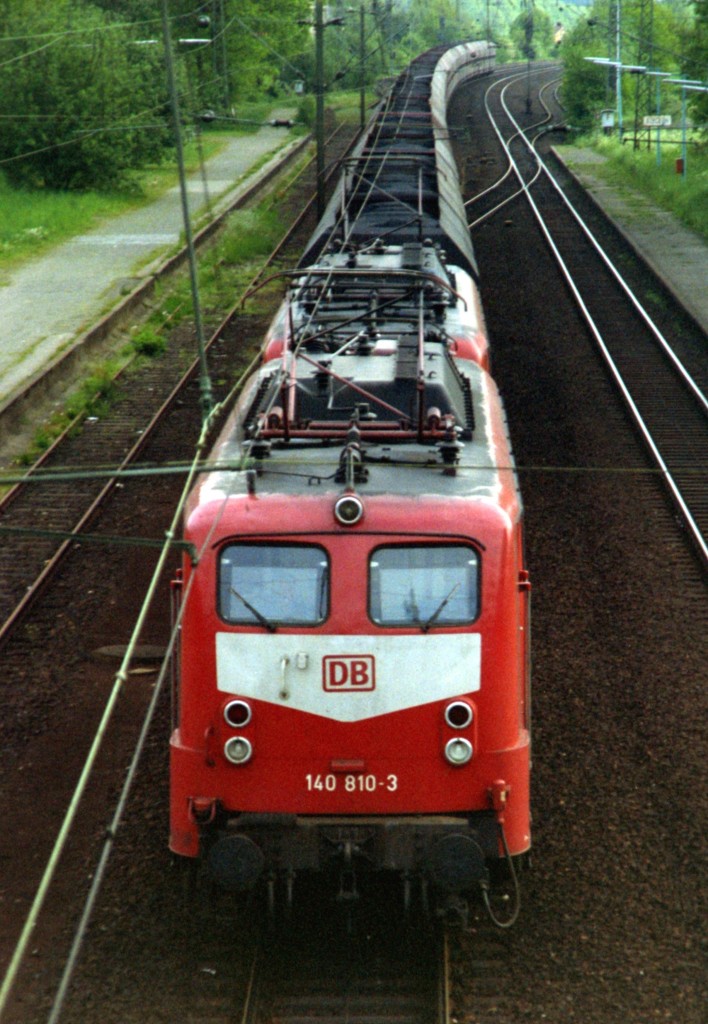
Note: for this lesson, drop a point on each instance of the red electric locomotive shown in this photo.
(354, 668)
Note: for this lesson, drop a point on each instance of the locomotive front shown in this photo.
(354, 692)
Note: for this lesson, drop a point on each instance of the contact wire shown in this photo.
(119, 682)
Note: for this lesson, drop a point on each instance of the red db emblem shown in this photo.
(348, 672)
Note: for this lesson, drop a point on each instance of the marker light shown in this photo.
(238, 750)
(237, 713)
(458, 751)
(459, 715)
(348, 509)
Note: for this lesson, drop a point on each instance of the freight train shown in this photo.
(353, 687)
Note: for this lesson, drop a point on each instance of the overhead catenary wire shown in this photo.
(120, 680)
(89, 132)
(62, 476)
(542, 168)
(85, 133)
(656, 455)
(89, 906)
(679, 57)
(194, 467)
(108, 26)
(509, 169)
(404, 93)
(119, 813)
(205, 388)
(201, 468)
(192, 470)
(119, 125)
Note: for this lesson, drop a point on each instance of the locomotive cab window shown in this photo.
(273, 584)
(425, 585)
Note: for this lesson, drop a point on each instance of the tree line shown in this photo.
(670, 37)
(83, 90)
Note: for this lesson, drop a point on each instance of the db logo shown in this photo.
(348, 672)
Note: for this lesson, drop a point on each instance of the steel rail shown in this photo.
(253, 986)
(674, 489)
(443, 1006)
(34, 590)
(304, 212)
(10, 495)
(508, 80)
(346, 997)
(122, 675)
(378, 121)
(542, 168)
(120, 679)
(14, 407)
(202, 236)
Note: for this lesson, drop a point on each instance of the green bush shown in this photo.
(306, 111)
(95, 394)
(148, 341)
(93, 102)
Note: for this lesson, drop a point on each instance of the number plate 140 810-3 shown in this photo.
(350, 783)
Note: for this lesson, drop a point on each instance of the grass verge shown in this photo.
(685, 197)
(34, 220)
(93, 397)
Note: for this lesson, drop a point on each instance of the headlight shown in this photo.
(238, 750)
(237, 713)
(458, 751)
(459, 714)
(348, 509)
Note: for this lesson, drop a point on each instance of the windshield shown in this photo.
(273, 583)
(424, 585)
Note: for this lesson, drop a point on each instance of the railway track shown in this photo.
(410, 987)
(43, 523)
(660, 369)
(362, 965)
(52, 512)
(148, 956)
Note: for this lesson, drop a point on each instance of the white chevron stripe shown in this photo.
(406, 671)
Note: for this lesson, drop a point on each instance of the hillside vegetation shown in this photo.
(87, 113)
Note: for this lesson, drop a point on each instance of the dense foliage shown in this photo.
(80, 103)
(83, 88)
(696, 64)
(395, 31)
(83, 91)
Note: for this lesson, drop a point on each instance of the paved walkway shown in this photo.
(677, 255)
(46, 303)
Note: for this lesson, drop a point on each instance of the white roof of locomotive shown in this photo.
(407, 469)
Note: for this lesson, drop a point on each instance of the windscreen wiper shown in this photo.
(266, 623)
(425, 626)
